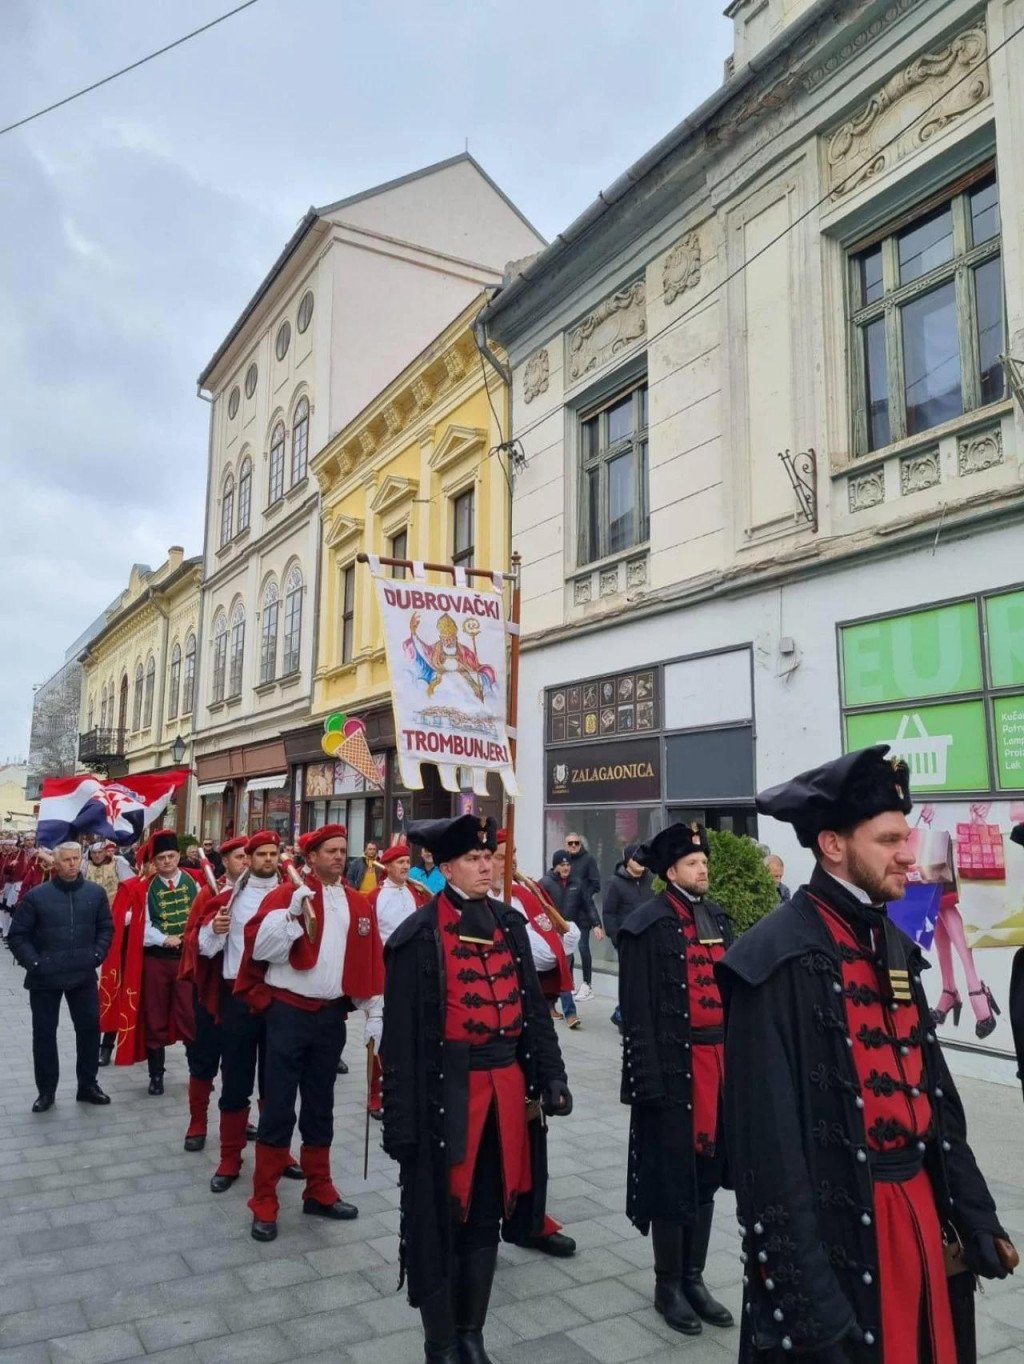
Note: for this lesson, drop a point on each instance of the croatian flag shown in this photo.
(118, 810)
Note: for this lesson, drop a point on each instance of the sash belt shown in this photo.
(707, 1037)
(895, 1167)
(494, 1055)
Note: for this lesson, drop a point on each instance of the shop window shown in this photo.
(188, 692)
(463, 515)
(614, 498)
(348, 613)
(292, 621)
(220, 656)
(926, 310)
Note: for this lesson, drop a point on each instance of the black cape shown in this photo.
(795, 1141)
(657, 1081)
(426, 1089)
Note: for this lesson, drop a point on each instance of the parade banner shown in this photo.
(446, 656)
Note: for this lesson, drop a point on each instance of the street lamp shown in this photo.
(178, 751)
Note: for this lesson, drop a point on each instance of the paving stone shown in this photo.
(268, 1345)
(43, 1323)
(181, 1328)
(97, 1347)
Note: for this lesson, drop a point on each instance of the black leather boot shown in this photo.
(669, 1298)
(155, 1058)
(695, 1255)
(439, 1346)
(474, 1274)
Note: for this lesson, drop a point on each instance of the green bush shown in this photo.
(739, 880)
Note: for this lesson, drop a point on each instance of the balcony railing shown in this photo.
(101, 747)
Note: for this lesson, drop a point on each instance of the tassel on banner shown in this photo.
(418, 571)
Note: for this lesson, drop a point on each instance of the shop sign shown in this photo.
(924, 653)
(1008, 714)
(604, 774)
(945, 746)
(604, 707)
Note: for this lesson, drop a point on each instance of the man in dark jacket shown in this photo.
(587, 877)
(470, 1059)
(628, 889)
(847, 1141)
(61, 932)
(564, 894)
(672, 1072)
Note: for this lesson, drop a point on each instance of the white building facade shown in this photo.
(824, 262)
(362, 286)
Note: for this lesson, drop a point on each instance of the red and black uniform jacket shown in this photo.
(363, 970)
(441, 1003)
(800, 1144)
(671, 1054)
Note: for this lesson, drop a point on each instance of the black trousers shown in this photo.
(84, 1007)
(303, 1049)
(709, 1171)
(486, 1200)
(243, 1053)
(203, 1052)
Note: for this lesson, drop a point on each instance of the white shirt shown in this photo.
(543, 957)
(280, 929)
(394, 905)
(151, 935)
(243, 907)
(855, 891)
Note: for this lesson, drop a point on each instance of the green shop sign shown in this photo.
(902, 658)
(1008, 722)
(945, 746)
(1004, 626)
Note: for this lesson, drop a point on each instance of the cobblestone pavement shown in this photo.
(114, 1249)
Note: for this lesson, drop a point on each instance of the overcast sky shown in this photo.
(138, 220)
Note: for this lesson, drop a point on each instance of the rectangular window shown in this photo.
(348, 614)
(188, 690)
(927, 317)
(237, 655)
(399, 550)
(613, 476)
(462, 528)
(220, 663)
(268, 641)
(292, 629)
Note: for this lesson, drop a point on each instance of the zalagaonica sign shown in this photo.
(446, 657)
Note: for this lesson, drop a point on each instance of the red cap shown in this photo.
(261, 838)
(232, 845)
(317, 836)
(501, 837)
(393, 853)
(143, 853)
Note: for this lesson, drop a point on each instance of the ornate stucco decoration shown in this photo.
(980, 451)
(681, 268)
(609, 581)
(636, 573)
(368, 442)
(535, 376)
(866, 490)
(947, 83)
(454, 364)
(919, 471)
(393, 419)
(423, 393)
(582, 591)
(614, 325)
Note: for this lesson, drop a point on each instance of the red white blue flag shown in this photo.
(118, 810)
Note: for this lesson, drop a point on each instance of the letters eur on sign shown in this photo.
(446, 658)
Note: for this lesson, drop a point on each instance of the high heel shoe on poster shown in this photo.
(956, 1004)
(986, 1026)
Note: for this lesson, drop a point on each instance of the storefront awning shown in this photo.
(211, 788)
(266, 783)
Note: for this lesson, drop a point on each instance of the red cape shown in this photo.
(363, 972)
(35, 876)
(205, 973)
(542, 924)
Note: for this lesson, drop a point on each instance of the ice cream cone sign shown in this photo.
(345, 740)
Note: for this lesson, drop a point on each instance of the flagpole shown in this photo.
(512, 721)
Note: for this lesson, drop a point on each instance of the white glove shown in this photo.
(297, 907)
(373, 1032)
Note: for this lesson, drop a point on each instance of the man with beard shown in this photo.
(469, 1050)
(856, 1190)
(672, 1059)
(311, 955)
(204, 1053)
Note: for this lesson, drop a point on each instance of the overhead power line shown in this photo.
(59, 104)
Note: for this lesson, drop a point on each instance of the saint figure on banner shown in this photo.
(448, 667)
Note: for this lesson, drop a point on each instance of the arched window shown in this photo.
(237, 651)
(122, 709)
(147, 714)
(91, 715)
(277, 464)
(188, 693)
(244, 495)
(268, 633)
(137, 699)
(300, 441)
(227, 510)
(220, 655)
(292, 621)
(174, 682)
(103, 707)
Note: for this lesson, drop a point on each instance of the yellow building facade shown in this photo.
(412, 476)
(140, 674)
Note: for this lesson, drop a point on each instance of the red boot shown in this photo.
(232, 1143)
(320, 1198)
(270, 1162)
(375, 1102)
(199, 1092)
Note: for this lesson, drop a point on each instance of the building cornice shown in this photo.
(143, 611)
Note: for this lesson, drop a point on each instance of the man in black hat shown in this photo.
(672, 1071)
(847, 1140)
(469, 1055)
(166, 1005)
